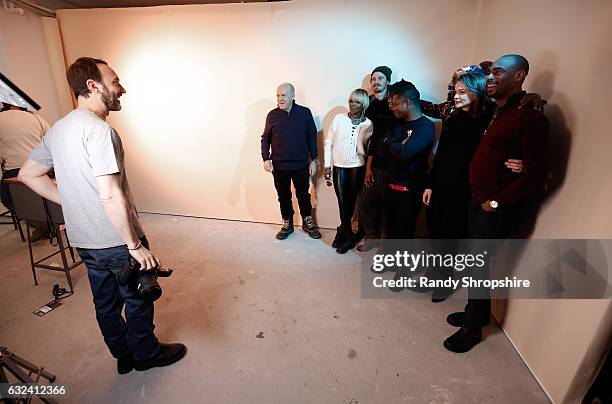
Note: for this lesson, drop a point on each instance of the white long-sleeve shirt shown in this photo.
(345, 143)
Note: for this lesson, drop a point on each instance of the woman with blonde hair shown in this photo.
(345, 158)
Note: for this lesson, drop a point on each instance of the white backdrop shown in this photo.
(200, 80)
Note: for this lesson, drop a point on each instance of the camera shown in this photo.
(145, 282)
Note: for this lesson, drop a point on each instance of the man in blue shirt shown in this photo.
(291, 133)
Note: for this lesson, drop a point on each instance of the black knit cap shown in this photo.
(384, 70)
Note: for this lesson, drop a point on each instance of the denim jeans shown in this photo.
(124, 337)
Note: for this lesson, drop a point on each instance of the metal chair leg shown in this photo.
(31, 254)
(60, 243)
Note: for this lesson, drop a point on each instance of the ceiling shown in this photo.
(62, 4)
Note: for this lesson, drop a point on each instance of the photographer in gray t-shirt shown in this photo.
(101, 219)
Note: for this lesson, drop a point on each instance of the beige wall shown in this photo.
(567, 44)
(200, 80)
(24, 59)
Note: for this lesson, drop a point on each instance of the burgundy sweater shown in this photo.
(513, 134)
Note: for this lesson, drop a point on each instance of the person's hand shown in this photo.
(427, 196)
(312, 170)
(268, 166)
(486, 206)
(145, 258)
(534, 101)
(327, 174)
(369, 178)
(515, 165)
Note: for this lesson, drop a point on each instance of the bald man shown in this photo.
(291, 133)
(498, 194)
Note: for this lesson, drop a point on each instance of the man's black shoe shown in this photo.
(286, 230)
(441, 294)
(125, 365)
(456, 319)
(167, 355)
(309, 227)
(464, 339)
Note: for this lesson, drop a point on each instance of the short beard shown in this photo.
(111, 102)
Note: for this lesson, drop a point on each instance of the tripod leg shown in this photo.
(62, 249)
(3, 379)
(31, 367)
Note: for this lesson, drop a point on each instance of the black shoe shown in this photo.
(464, 339)
(339, 237)
(286, 230)
(309, 227)
(441, 294)
(456, 319)
(346, 244)
(167, 355)
(125, 365)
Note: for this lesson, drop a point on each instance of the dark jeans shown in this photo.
(486, 225)
(5, 194)
(401, 213)
(282, 183)
(347, 184)
(371, 204)
(134, 335)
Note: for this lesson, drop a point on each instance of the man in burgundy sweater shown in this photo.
(498, 193)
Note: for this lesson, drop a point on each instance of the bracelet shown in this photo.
(137, 246)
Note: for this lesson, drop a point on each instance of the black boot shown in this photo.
(286, 230)
(309, 227)
(347, 242)
(464, 339)
(339, 237)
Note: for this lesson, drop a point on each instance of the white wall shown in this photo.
(200, 80)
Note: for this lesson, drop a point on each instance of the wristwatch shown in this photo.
(493, 204)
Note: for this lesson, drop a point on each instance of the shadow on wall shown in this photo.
(250, 163)
(559, 149)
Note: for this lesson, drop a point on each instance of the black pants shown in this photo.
(486, 225)
(5, 194)
(282, 183)
(347, 184)
(401, 209)
(447, 215)
(371, 204)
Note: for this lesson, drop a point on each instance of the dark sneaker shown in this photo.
(464, 339)
(309, 227)
(286, 230)
(125, 365)
(346, 244)
(167, 355)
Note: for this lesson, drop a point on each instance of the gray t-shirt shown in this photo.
(82, 146)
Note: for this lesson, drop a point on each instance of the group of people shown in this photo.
(490, 161)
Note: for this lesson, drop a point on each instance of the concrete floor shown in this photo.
(322, 343)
